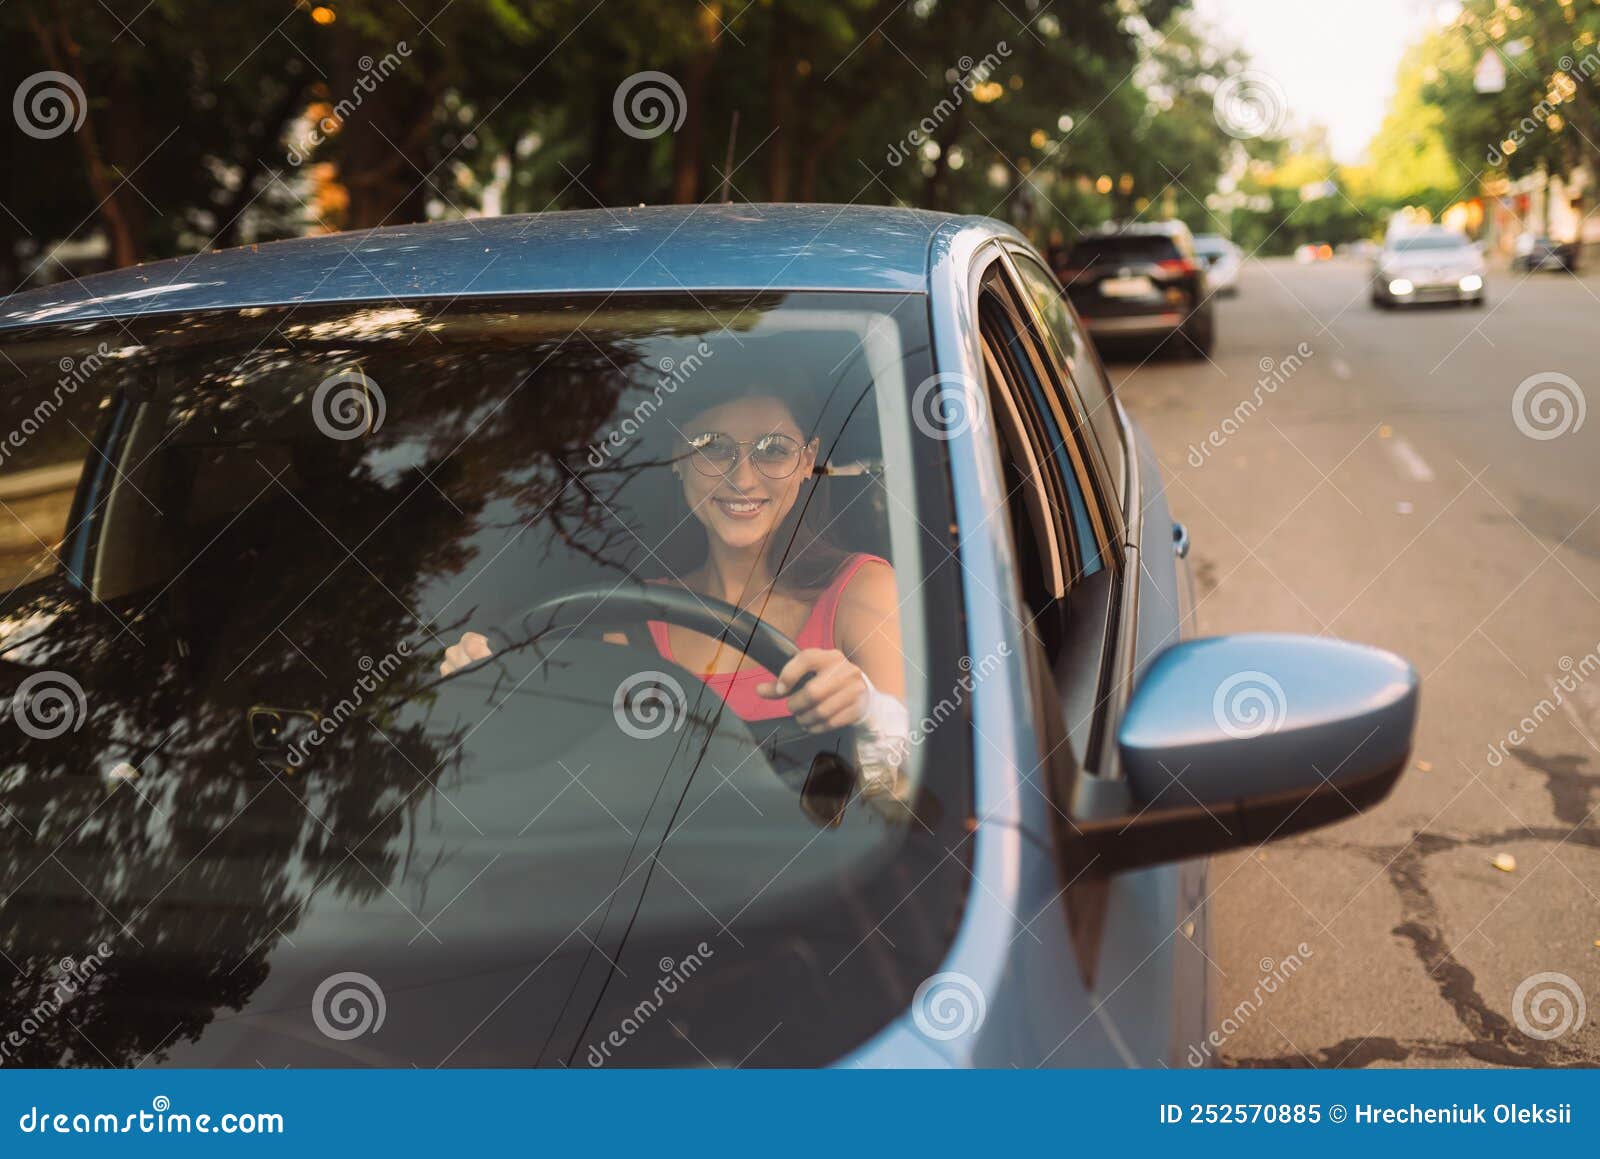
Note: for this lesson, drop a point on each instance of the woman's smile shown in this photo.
(742, 507)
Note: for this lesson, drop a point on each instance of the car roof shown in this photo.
(645, 249)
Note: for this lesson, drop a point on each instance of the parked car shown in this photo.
(263, 490)
(1431, 264)
(1142, 281)
(1222, 261)
(1311, 252)
(1544, 253)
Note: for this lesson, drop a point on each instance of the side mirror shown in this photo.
(1237, 740)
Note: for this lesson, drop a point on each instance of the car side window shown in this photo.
(1088, 377)
(1067, 574)
(49, 423)
(1037, 535)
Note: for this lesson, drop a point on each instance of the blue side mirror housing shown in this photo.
(1235, 717)
(1236, 740)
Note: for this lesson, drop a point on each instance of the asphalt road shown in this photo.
(1386, 490)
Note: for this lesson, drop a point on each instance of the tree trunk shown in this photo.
(382, 134)
(114, 198)
(599, 177)
(689, 142)
(780, 98)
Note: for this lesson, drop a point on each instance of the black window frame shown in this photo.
(1111, 485)
(994, 274)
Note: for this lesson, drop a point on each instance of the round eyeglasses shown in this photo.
(717, 454)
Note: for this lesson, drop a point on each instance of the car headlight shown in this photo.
(1400, 286)
(1470, 284)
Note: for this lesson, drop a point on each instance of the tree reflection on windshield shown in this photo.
(264, 779)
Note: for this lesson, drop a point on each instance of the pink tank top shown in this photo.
(738, 689)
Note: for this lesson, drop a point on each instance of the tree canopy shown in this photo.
(206, 125)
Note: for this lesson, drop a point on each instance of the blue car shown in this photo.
(717, 636)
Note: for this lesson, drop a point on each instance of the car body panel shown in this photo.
(1148, 1000)
(607, 251)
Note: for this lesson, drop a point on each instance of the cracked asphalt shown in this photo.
(1400, 485)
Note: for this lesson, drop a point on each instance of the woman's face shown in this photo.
(743, 507)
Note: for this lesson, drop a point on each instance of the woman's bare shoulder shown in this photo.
(870, 594)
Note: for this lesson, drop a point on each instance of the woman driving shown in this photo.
(745, 470)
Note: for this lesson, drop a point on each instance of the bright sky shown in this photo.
(1334, 59)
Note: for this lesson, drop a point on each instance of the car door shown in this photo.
(1140, 937)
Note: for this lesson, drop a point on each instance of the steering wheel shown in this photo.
(607, 605)
(826, 780)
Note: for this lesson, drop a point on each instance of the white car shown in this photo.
(1428, 265)
(1222, 260)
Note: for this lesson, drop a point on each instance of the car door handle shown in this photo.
(1180, 540)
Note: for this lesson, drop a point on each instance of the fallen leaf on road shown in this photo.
(1504, 862)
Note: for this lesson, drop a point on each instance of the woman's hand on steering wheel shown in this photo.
(474, 646)
(837, 695)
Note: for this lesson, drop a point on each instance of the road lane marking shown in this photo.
(1413, 465)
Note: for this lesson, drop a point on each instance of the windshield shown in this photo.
(1431, 241)
(1209, 245)
(375, 649)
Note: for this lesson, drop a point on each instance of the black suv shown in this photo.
(1142, 281)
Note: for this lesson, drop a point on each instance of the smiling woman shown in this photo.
(671, 713)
